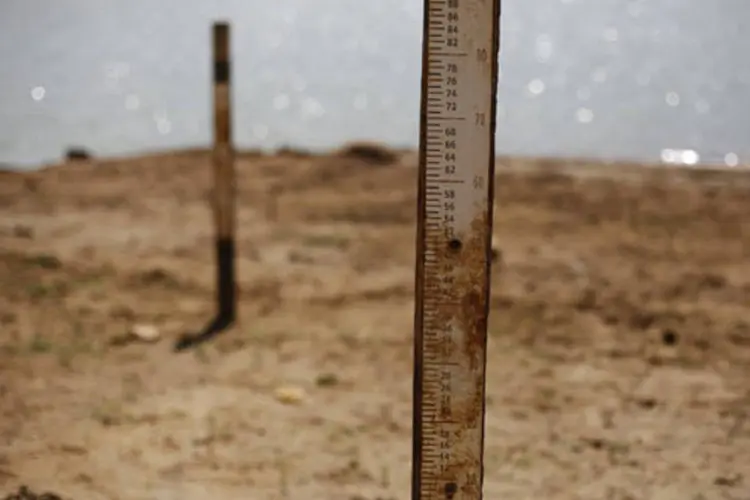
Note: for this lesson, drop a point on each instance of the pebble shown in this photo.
(290, 395)
(145, 333)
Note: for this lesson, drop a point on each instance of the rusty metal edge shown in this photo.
(496, 30)
(416, 485)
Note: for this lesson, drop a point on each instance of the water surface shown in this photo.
(599, 78)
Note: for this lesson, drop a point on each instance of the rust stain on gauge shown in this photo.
(473, 316)
(460, 271)
(472, 289)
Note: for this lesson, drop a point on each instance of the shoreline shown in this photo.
(405, 150)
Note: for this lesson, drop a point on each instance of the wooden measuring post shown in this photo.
(454, 234)
(224, 176)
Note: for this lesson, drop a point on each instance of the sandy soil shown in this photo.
(619, 338)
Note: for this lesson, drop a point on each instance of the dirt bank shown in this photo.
(619, 333)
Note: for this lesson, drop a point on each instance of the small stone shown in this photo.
(145, 333)
(24, 232)
(669, 337)
(647, 403)
(327, 380)
(290, 395)
(730, 481)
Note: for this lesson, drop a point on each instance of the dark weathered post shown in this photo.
(224, 176)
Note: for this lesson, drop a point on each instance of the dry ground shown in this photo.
(619, 338)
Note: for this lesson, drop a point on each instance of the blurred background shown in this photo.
(615, 79)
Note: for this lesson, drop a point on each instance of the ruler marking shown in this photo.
(455, 196)
(436, 116)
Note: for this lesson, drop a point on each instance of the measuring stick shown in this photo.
(454, 229)
(224, 178)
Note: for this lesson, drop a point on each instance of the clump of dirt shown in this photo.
(373, 153)
(24, 493)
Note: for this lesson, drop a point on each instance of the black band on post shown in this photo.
(221, 72)
(225, 278)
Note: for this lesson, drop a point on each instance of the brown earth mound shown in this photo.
(24, 493)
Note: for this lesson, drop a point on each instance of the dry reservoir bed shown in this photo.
(619, 337)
